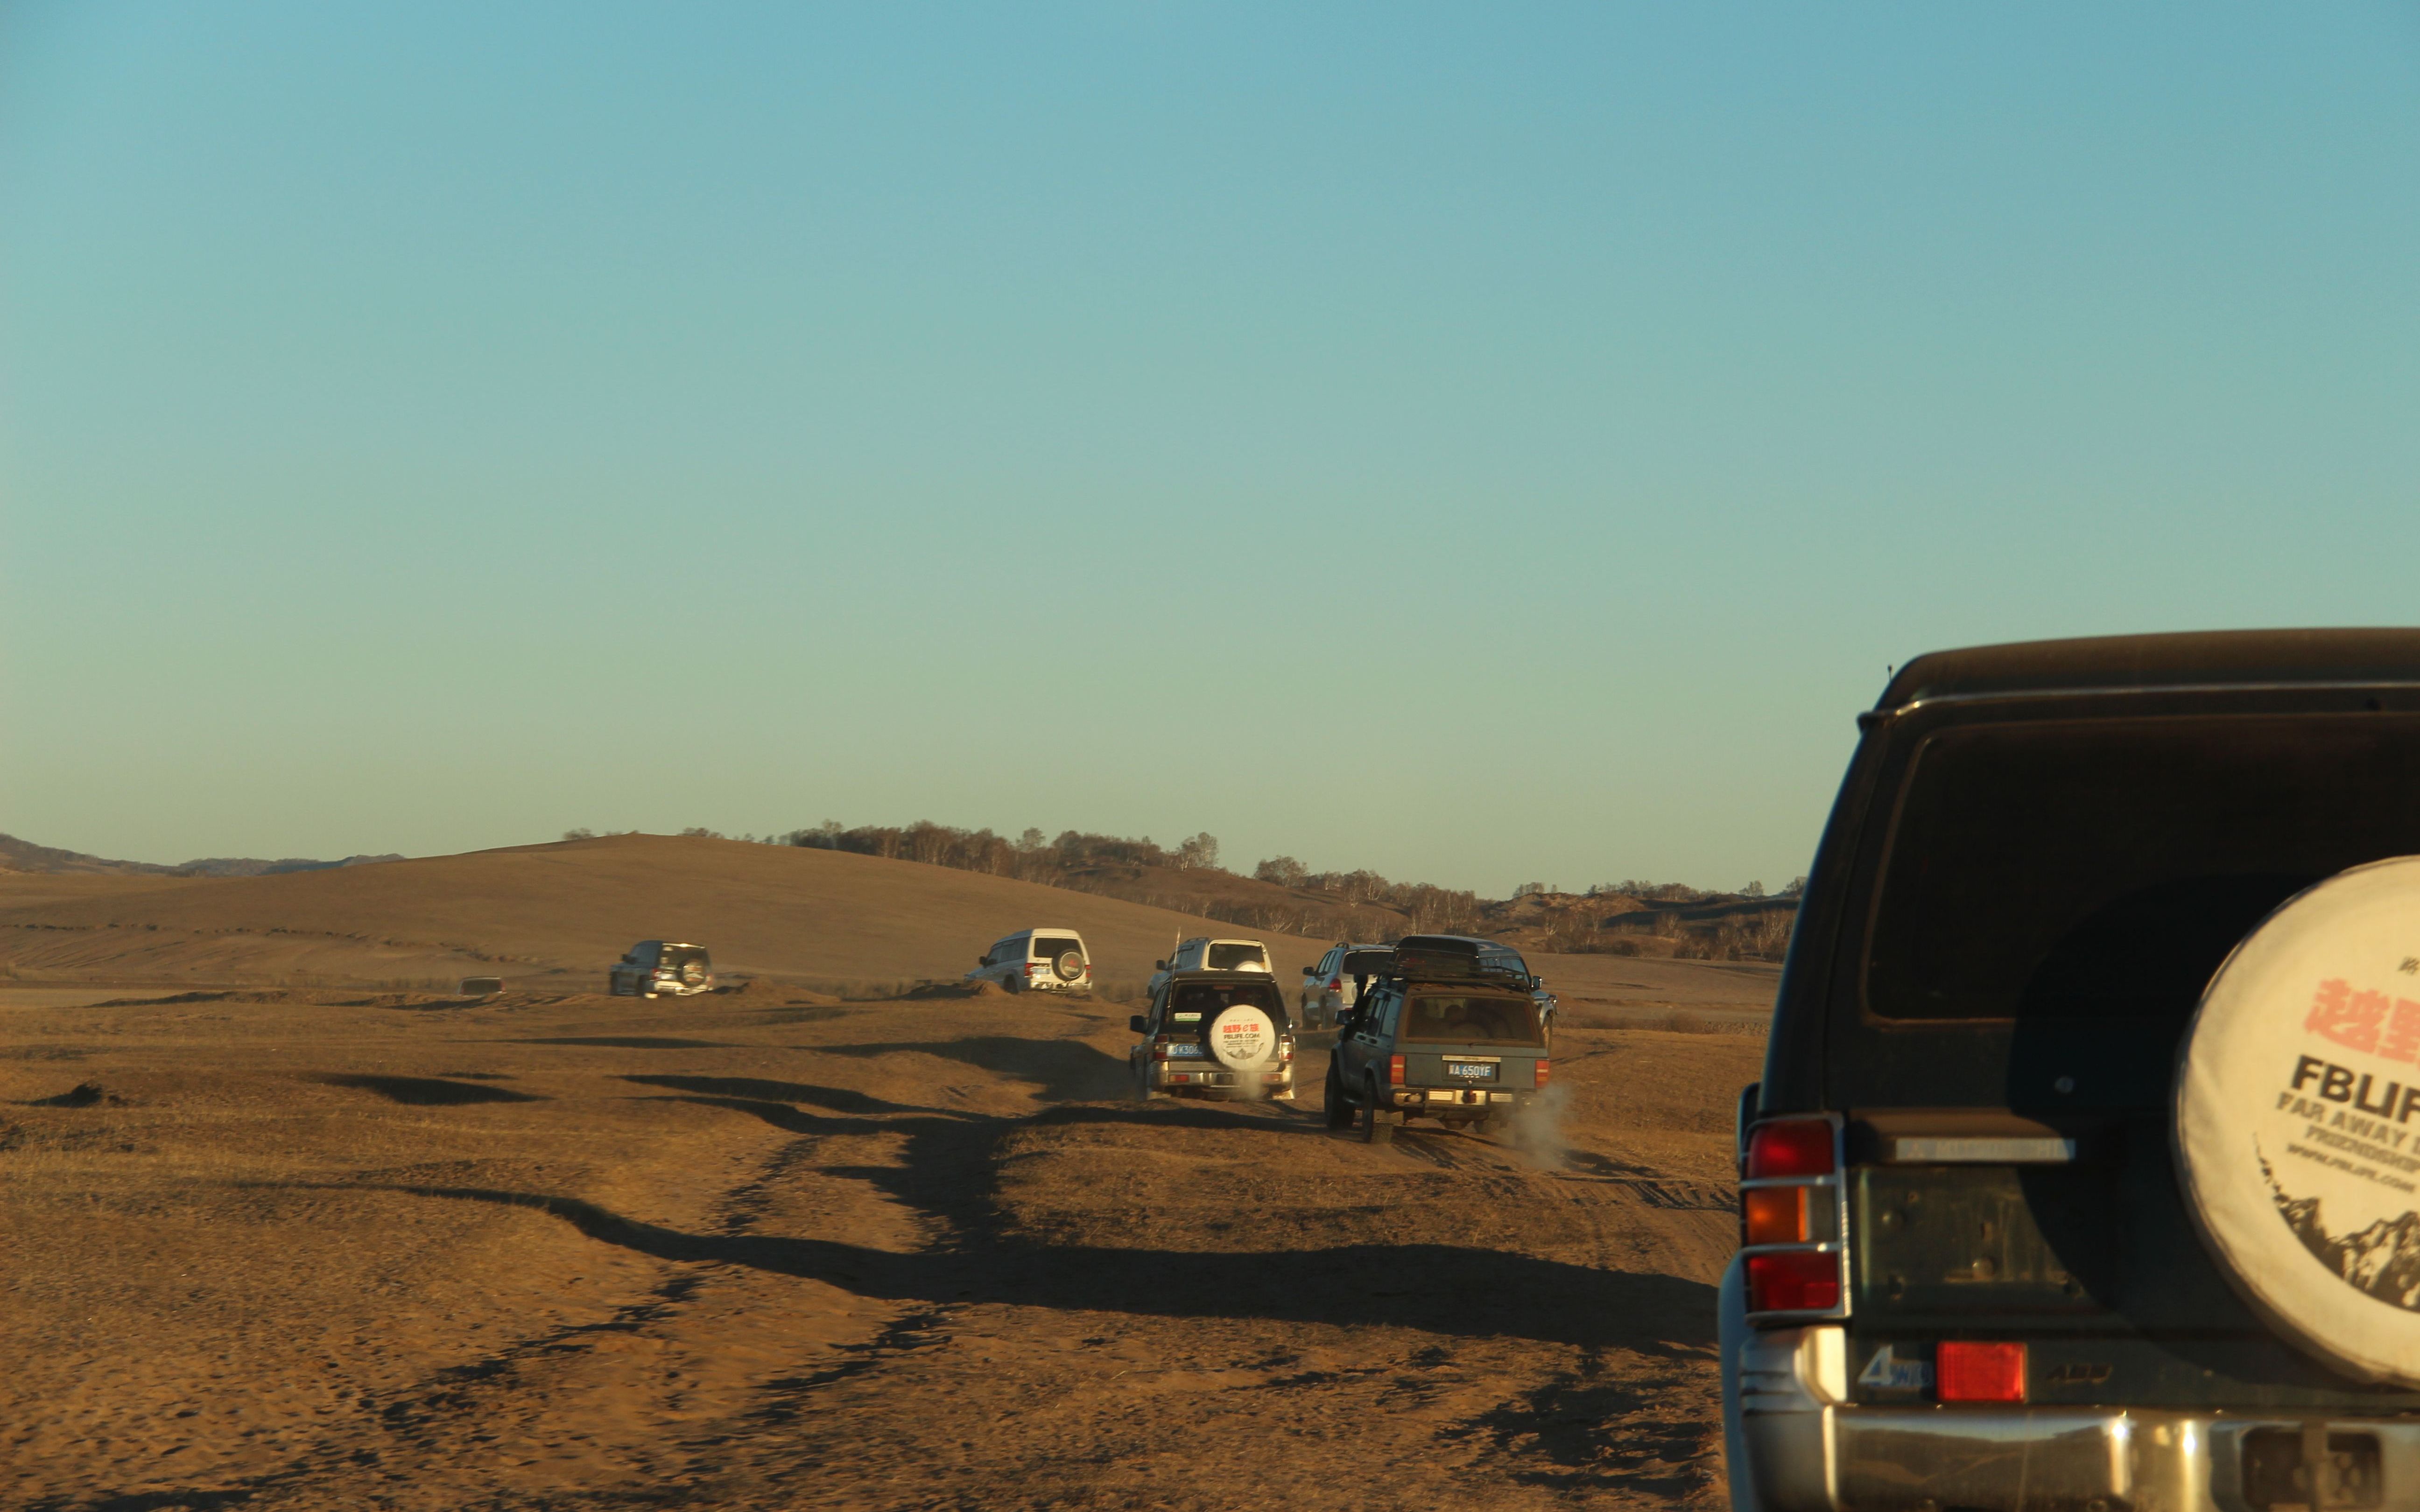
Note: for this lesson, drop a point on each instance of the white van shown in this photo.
(1042, 959)
(1202, 953)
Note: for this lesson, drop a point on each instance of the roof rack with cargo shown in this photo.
(1455, 958)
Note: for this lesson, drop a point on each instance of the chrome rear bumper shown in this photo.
(1797, 1444)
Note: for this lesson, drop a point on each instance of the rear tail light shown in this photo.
(1394, 1070)
(1789, 1147)
(1794, 1281)
(1792, 1218)
(1971, 1372)
(1538, 1069)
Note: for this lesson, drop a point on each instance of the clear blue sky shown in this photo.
(1483, 444)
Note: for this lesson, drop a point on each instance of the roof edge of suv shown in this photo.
(2137, 663)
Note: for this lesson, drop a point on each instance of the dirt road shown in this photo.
(760, 1250)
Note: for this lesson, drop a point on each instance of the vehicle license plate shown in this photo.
(1180, 1051)
(1471, 1071)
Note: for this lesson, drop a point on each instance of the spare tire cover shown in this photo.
(1242, 1038)
(2298, 1119)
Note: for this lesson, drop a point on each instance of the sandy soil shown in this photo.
(1612, 989)
(763, 1249)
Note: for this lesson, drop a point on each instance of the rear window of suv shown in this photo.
(2099, 869)
(1209, 997)
(1051, 947)
(1444, 1018)
(1230, 957)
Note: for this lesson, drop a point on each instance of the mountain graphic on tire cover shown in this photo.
(2382, 1259)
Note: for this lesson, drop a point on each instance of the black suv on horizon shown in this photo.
(1969, 1277)
(1451, 1031)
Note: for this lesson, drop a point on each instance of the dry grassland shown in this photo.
(338, 1248)
(583, 1251)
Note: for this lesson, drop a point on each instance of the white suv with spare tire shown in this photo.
(1220, 1035)
(1202, 953)
(1037, 960)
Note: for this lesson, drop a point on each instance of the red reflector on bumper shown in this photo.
(1969, 1372)
(1794, 1281)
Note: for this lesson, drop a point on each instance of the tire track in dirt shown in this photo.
(903, 1269)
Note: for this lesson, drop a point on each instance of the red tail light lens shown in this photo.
(1794, 1281)
(1540, 1066)
(1773, 1214)
(1789, 1147)
(1969, 1372)
(1394, 1070)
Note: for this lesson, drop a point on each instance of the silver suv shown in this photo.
(1037, 960)
(1203, 953)
(1220, 1035)
(654, 967)
(1331, 988)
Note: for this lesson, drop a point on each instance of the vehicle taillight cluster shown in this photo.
(1789, 1217)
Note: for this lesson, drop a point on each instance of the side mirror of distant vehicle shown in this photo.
(1159, 965)
(1134, 1024)
(1311, 971)
(982, 960)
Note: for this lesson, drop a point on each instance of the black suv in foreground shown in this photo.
(1449, 1032)
(1970, 1277)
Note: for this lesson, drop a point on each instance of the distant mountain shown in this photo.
(252, 866)
(23, 855)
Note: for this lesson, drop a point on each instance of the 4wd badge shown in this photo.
(1885, 1371)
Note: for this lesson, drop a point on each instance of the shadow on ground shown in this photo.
(426, 1091)
(948, 1174)
(1600, 1435)
(839, 1099)
(1067, 1071)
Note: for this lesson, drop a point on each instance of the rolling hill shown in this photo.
(566, 909)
